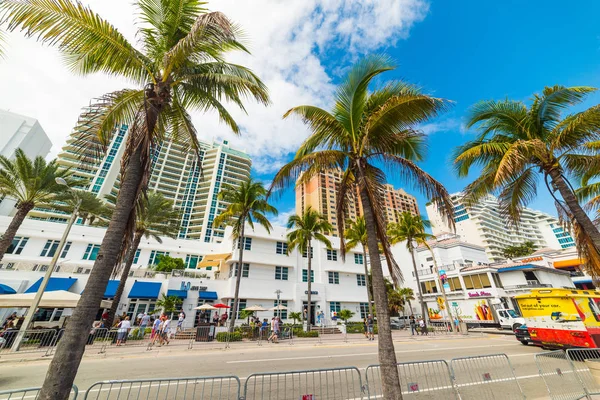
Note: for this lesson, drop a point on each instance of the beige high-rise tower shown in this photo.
(321, 191)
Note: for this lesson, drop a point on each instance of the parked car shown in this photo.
(397, 323)
(522, 334)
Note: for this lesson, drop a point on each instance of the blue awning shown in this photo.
(208, 295)
(5, 289)
(54, 284)
(111, 288)
(182, 294)
(144, 290)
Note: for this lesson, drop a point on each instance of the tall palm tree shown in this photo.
(31, 183)
(90, 209)
(411, 229)
(355, 234)
(518, 143)
(247, 204)
(155, 217)
(178, 67)
(308, 227)
(364, 129)
(407, 295)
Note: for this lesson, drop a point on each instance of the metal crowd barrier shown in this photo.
(577, 358)
(34, 340)
(199, 388)
(418, 380)
(30, 393)
(484, 377)
(559, 376)
(321, 384)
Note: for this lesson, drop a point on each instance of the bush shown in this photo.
(358, 327)
(234, 337)
(301, 333)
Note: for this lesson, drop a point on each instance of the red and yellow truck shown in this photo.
(562, 318)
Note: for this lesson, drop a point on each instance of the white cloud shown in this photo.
(289, 41)
(446, 125)
(282, 218)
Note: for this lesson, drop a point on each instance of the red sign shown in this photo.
(308, 397)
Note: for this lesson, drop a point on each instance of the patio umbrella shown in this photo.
(205, 307)
(255, 308)
(279, 307)
(220, 305)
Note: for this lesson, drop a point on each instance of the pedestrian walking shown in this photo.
(165, 330)
(180, 321)
(123, 331)
(155, 329)
(274, 330)
(365, 328)
(423, 327)
(370, 327)
(144, 321)
(413, 325)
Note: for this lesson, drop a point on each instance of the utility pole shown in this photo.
(439, 280)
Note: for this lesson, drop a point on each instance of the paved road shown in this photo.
(243, 361)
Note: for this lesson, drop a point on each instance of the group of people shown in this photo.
(420, 322)
(369, 324)
(12, 322)
(220, 320)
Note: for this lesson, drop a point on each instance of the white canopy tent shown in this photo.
(54, 299)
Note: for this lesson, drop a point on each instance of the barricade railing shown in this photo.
(440, 328)
(418, 380)
(335, 383)
(34, 340)
(559, 376)
(331, 333)
(205, 388)
(30, 393)
(483, 377)
(577, 358)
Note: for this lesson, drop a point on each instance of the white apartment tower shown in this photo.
(192, 184)
(484, 224)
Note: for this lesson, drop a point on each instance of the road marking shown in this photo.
(361, 354)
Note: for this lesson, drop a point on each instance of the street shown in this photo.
(243, 361)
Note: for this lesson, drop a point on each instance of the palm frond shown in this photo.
(517, 193)
(555, 99)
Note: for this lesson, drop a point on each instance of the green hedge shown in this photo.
(358, 327)
(234, 337)
(301, 333)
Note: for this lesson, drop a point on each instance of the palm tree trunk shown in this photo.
(309, 255)
(13, 227)
(560, 183)
(124, 275)
(367, 280)
(238, 278)
(424, 312)
(63, 368)
(387, 356)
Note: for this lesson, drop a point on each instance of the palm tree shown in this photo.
(155, 217)
(308, 227)
(168, 304)
(355, 234)
(364, 129)
(246, 204)
(91, 207)
(411, 228)
(32, 183)
(407, 295)
(179, 67)
(518, 143)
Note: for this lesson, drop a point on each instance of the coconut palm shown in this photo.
(519, 142)
(32, 183)
(91, 208)
(355, 234)
(179, 67)
(155, 218)
(363, 130)
(407, 295)
(411, 229)
(308, 227)
(246, 204)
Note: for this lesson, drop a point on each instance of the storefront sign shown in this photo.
(479, 294)
(311, 292)
(202, 288)
(530, 259)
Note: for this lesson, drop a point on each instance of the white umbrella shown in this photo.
(205, 307)
(279, 307)
(54, 299)
(255, 308)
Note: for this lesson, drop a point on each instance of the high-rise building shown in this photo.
(192, 184)
(321, 191)
(486, 225)
(25, 133)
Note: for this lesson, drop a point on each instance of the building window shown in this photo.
(191, 261)
(311, 253)
(331, 255)
(17, 245)
(49, 248)
(281, 313)
(334, 306)
(91, 252)
(361, 280)
(247, 243)
(66, 249)
(282, 248)
(454, 283)
(429, 287)
(241, 305)
(497, 280)
(155, 256)
(364, 310)
(281, 273)
(305, 275)
(334, 277)
(358, 259)
(477, 281)
(245, 270)
(136, 257)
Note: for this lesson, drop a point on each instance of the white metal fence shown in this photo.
(559, 376)
(29, 394)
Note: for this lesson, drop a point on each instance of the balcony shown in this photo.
(529, 285)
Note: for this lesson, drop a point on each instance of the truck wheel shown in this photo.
(525, 342)
(515, 326)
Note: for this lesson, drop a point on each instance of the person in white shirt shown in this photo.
(144, 321)
(165, 329)
(124, 327)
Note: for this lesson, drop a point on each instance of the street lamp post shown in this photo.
(278, 293)
(38, 296)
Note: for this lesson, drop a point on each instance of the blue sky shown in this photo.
(473, 50)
